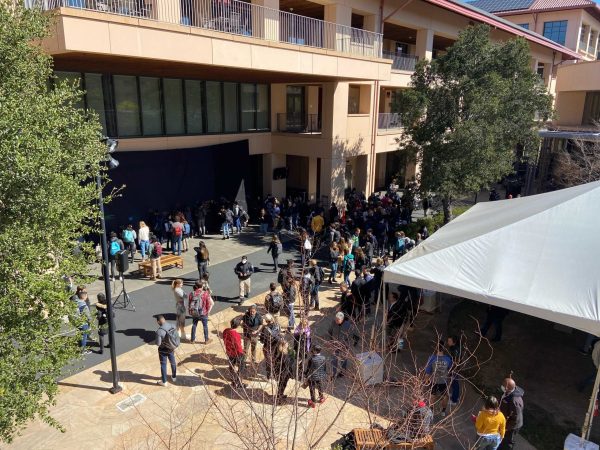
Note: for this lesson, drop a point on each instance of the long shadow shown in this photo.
(84, 386)
(128, 376)
(145, 335)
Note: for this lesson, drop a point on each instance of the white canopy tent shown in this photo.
(538, 255)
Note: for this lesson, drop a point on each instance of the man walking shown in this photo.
(318, 275)
(167, 341)
(235, 353)
(316, 374)
(244, 271)
(511, 405)
(252, 324)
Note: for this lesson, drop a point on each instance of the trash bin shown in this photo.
(574, 442)
(370, 367)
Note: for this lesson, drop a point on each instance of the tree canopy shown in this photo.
(469, 109)
(50, 152)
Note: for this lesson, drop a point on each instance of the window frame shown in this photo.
(558, 24)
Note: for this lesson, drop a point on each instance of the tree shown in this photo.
(50, 152)
(468, 110)
(576, 164)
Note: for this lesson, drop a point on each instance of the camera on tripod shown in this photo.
(123, 300)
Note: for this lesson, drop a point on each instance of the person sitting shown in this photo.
(415, 425)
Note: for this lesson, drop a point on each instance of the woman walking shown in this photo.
(179, 294)
(144, 239)
(275, 249)
(202, 259)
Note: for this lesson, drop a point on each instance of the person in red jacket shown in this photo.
(235, 352)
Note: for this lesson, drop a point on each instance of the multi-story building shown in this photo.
(572, 23)
(217, 98)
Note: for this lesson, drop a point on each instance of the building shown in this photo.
(233, 98)
(572, 23)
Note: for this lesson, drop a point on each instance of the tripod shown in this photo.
(123, 300)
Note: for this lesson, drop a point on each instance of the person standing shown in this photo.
(238, 214)
(180, 311)
(511, 405)
(490, 425)
(396, 318)
(155, 254)
(453, 346)
(342, 332)
(302, 342)
(244, 271)
(315, 375)
(438, 367)
(283, 368)
(235, 353)
(334, 254)
(200, 304)
(275, 249)
(202, 259)
(187, 232)
(226, 216)
(318, 275)
(495, 317)
(102, 318)
(144, 239)
(201, 220)
(115, 245)
(129, 237)
(348, 265)
(177, 236)
(252, 325)
(263, 220)
(83, 313)
(167, 341)
(269, 337)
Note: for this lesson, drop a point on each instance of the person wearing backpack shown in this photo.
(275, 249)
(177, 236)
(273, 300)
(199, 305)
(167, 341)
(348, 265)
(187, 233)
(155, 254)
(399, 245)
(318, 275)
(115, 245)
(129, 237)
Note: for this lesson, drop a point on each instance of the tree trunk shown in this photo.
(446, 204)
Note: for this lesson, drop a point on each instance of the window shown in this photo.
(173, 99)
(230, 103)
(591, 109)
(556, 31)
(94, 96)
(354, 100)
(73, 78)
(524, 25)
(127, 106)
(214, 114)
(262, 107)
(248, 105)
(151, 110)
(193, 106)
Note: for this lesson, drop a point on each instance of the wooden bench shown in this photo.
(370, 439)
(145, 267)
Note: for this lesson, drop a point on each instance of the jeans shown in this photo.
(177, 245)
(225, 228)
(238, 225)
(337, 356)
(334, 269)
(315, 385)
(84, 337)
(202, 269)
(144, 248)
(264, 228)
(347, 278)
(201, 227)
(488, 442)
(163, 365)
(314, 295)
(292, 318)
(204, 320)
(454, 390)
(276, 263)
(508, 443)
(130, 246)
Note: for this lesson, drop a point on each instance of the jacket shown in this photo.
(233, 343)
(251, 324)
(512, 408)
(396, 315)
(489, 422)
(343, 333)
(244, 271)
(316, 369)
(275, 249)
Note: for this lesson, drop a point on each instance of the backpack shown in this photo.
(115, 248)
(156, 250)
(400, 244)
(128, 235)
(350, 264)
(206, 299)
(195, 305)
(171, 340)
(177, 231)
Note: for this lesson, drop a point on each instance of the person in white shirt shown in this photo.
(144, 239)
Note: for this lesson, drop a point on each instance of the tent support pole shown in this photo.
(589, 416)
(376, 312)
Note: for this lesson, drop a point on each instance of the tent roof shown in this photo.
(539, 255)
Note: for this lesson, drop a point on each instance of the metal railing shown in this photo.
(298, 123)
(236, 17)
(389, 121)
(402, 61)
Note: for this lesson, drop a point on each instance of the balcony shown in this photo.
(389, 121)
(298, 123)
(401, 61)
(238, 18)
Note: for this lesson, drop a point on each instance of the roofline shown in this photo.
(483, 16)
(593, 10)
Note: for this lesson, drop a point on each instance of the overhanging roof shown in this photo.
(565, 134)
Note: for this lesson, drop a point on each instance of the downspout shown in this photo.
(374, 128)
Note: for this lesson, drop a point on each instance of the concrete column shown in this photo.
(265, 22)
(424, 44)
(372, 23)
(337, 37)
(332, 185)
(270, 186)
(335, 110)
(312, 179)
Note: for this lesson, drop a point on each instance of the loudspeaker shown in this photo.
(122, 260)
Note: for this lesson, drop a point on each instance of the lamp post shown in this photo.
(111, 163)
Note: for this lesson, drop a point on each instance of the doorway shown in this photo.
(295, 108)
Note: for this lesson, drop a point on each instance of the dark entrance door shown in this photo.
(295, 109)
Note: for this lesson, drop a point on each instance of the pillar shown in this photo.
(312, 179)
(337, 37)
(265, 21)
(424, 44)
(272, 161)
(333, 184)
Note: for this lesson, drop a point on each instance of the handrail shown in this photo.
(389, 121)
(401, 61)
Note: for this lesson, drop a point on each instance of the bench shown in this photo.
(371, 439)
(145, 267)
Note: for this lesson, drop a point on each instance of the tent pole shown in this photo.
(376, 312)
(589, 416)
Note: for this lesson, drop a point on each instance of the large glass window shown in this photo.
(73, 78)
(591, 109)
(524, 25)
(248, 104)
(262, 103)
(214, 112)
(173, 98)
(193, 106)
(556, 30)
(151, 110)
(230, 103)
(95, 97)
(127, 106)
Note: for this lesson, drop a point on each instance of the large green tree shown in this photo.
(50, 152)
(468, 110)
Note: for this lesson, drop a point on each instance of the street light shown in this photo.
(111, 145)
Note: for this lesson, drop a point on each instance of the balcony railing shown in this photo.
(298, 123)
(236, 17)
(389, 121)
(401, 61)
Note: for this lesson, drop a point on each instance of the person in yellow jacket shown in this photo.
(490, 425)
(317, 223)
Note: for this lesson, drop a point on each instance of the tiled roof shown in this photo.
(498, 6)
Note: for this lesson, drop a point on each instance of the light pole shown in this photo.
(111, 164)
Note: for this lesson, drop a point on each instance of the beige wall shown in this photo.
(573, 81)
(569, 108)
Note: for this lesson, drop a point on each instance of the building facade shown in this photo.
(214, 98)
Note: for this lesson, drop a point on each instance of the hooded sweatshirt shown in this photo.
(512, 408)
